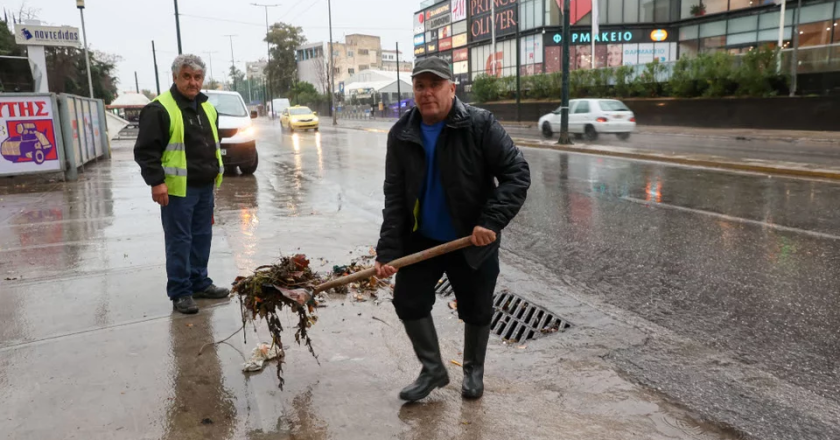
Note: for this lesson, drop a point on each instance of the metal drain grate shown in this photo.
(515, 319)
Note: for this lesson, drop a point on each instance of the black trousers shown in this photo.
(414, 293)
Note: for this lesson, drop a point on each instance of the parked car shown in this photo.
(236, 132)
(591, 117)
(299, 118)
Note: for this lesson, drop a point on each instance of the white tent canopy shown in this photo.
(130, 100)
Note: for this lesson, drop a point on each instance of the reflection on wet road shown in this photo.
(743, 263)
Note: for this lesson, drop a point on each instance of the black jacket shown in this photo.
(199, 144)
(473, 149)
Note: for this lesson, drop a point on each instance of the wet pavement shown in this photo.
(701, 303)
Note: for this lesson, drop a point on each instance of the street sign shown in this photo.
(36, 35)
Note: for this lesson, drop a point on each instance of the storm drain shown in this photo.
(515, 319)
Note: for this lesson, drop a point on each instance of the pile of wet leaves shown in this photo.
(274, 288)
(287, 286)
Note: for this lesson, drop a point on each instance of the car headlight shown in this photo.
(315, 119)
(249, 131)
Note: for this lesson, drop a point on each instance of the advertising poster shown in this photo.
(459, 10)
(97, 134)
(77, 142)
(438, 17)
(88, 130)
(459, 40)
(27, 135)
(419, 19)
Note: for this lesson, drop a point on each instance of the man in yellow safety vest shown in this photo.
(179, 157)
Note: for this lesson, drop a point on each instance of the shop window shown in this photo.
(685, 9)
(815, 34)
(530, 14)
(836, 27)
(742, 38)
(351, 71)
(631, 11)
(770, 20)
(552, 13)
(743, 24)
(552, 59)
(648, 8)
(662, 11)
(772, 35)
(715, 6)
(689, 48)
(713, 29)
(712, 44)
(816, 13)
(743, 4)
(689, 32)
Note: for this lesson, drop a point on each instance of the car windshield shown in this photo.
(300, 111)
(613, 106)
(227, 105)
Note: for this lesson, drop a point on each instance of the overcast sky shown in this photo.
(127, 28)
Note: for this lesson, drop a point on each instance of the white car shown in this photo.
(591, 117)
(236, 132)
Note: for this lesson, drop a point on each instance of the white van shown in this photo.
(279, 105)
(236, 132)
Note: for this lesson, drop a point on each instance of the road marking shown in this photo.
(734, 219)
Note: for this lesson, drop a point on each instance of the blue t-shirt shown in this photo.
(435, 221)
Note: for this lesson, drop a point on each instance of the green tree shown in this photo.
(7, 41)
(67, 72)
(304, 93)
(237, 79)
(212, 84)
(282, 65)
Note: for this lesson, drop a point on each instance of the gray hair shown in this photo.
(187, 60)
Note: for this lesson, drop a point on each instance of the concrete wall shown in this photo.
(780, 113)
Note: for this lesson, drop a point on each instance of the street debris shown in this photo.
(261, 354)
(270, 290)
(453, 305)
(456, 363)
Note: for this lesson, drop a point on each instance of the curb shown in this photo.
(797, 170)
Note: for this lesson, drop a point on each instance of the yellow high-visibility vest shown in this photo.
(174, 159)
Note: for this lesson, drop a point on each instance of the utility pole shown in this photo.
(333, 106)
(399, 94)
(518, 76)
(795, 62)
(232, 64)
(781, 43)
(136, 84)
(493, 33)
(564, 106)
(210, 59)
(157, 77)
(81, 5)
(268, 59)
(178, 26)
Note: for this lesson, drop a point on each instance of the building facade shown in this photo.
(389, 62)
(631, 32)
(357, 53)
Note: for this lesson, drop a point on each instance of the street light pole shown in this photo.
(157, 77)
(136, 83)
(795, 62)
(232, 64)
(333, 106)
(399, 94)
(564, 105)
(210, 59)
(178, 26)
(268, 59)
(81, 5)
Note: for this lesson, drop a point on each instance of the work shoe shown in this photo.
(212, 292)
(475, 348)
(433, 375)
(185, 305)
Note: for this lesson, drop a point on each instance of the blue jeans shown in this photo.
(188, 230)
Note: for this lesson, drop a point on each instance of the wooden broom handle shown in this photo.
(408, 260)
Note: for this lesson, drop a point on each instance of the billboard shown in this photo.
(27, 135)
(460, 55)
(507, 14)
(445, 44)
(419, 27)
(459, 10)
(34, 35)
(419, 39)
(459, 40)
(438, 16)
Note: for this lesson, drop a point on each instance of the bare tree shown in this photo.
(323, 76)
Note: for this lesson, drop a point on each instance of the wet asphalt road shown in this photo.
(717, 289)
(801, 151)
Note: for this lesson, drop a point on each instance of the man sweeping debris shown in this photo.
(442, 159)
